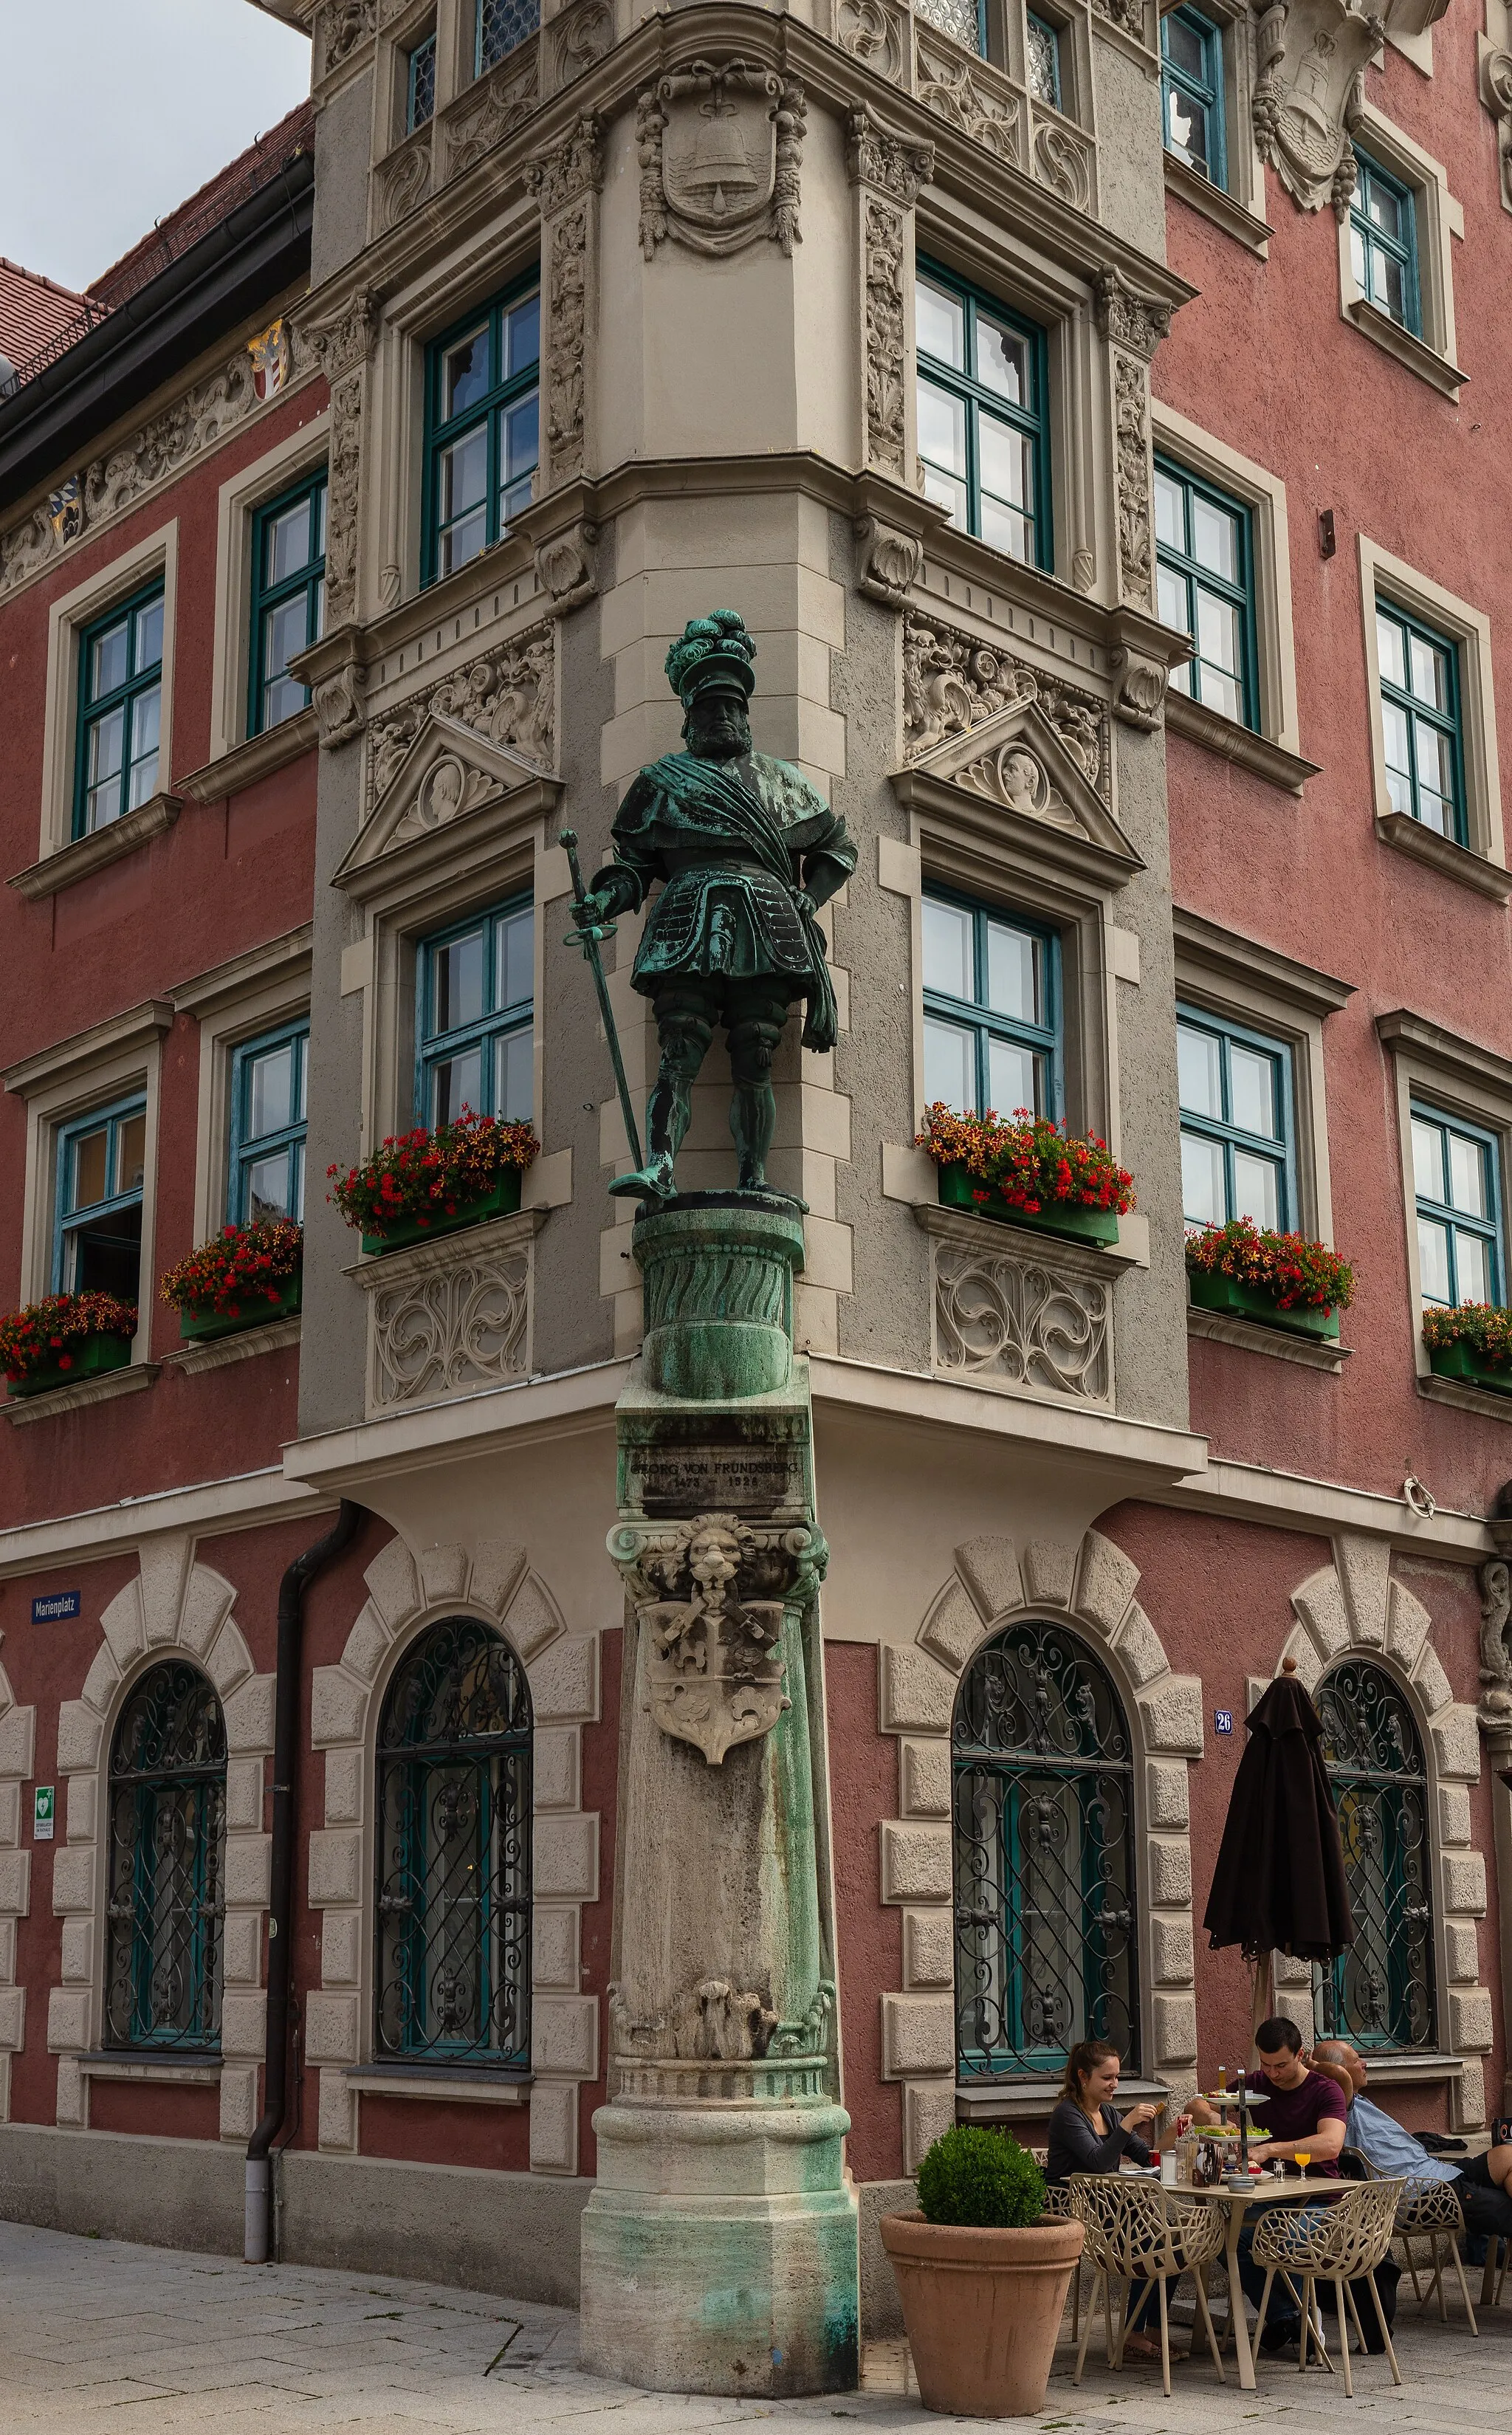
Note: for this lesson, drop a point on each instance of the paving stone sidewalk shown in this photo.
(98, 2335)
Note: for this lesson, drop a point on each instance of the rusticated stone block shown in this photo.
(249, 1865)
(1105, 1581)
(1470, 2027)
(1465, 1882)
(336, 2112)
(924, 1779)
(1432, 1682)
(122, 1624)
(393, 1584)
(564, 2036)
(71, 2109)
(532, 1622)
(207, 1600)
(78, 1737)
(1319, 1606)
(337, 1707)
(1364, 1566)
(12, 2019)
(1453, 1815)
(81, 1808)
(1462, 1950)
(553, 1947)
(18, 1742)
(336, 1867)
(952, 1628)
(77, 1957)
(1458, 1743)
(443, 1575)
(242, 1945)
(345, 1771)
(554, 2126)
(566, 1858)
(990, 1568)
(1171, 1957)
(11, 1811)
(1174, 2019)
(244, 2020)
(238, 2101)
(916, 1862)
(1167, 1794)
(496, 1568)
(229, 1662)
(331, 2027)
(101, 1679)
(1049, 1568)
(929, 2112)
(366, 1645)
(1467, 2096)
(1170, 1870)
(1407, 1621)
(15, 1884)
(1140, 1653)
(929, 1948)
(915, 1695)
(1173, 1715)
(341, 1948)
(555, 1768)
(249, 1715)
(68, 2010)
(918, 2036)
(164, 1566)
(244, 1792)
(564, 1681)
(73, 1879)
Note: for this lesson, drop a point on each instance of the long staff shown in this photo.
(587, 936)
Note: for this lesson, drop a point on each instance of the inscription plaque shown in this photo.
(665, 1482)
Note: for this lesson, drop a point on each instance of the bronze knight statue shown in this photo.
(746, 850)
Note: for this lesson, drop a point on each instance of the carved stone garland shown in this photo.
(565, 182)
(720, 146)
(1133, 325)
(346, 343)
(952, 681)
(509, 695)
(889, 173)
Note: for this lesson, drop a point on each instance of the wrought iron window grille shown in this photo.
(166, 1902)
(1381, 1994)
(1046, 1933)
(453, 1894)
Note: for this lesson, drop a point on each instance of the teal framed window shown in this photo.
(419, 107)
(502, 26)
(983, 389)
(1047, 1913)
(268, 1123)
(1457, 1179)
(167, 1865)
(1384, 243)
(1238, 1123)
(992, 1020)
(476, 1017)
(289, 599)
(1380, 1994)
(1042, 59)
(453, 1824)
(1205, 587)
(483, 426)
(1192, 92)
(97, 1201)
(120, 711)
(1421, 721)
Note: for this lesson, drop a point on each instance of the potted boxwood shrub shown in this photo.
(65, 1338)
(1472, 1342)
(243, 1277)
(1286, 1281)
(1025, 1171)
(982, 2274)
(426, 1183)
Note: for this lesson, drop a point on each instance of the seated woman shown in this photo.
(1088, 2134)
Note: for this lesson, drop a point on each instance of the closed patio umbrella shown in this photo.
(1278, 1885)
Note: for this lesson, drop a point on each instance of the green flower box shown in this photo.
(91, 1357)
(1211, 1290)
(1462, 1361)
(202, 1326)
(501, 1200)
(958, 1186)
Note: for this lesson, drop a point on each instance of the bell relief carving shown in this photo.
(1311, 58)
(720, 149)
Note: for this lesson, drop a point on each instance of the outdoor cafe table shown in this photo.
(1295, 2190)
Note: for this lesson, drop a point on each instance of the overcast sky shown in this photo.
(120, 109)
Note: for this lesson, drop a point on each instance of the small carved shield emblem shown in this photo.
(719, 158)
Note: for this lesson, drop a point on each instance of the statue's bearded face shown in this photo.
(717, 726)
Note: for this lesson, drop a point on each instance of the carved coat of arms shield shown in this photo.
(719, 158)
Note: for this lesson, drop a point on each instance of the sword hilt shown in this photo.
(587, 933)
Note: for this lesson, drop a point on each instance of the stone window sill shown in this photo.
(87, 855)
(19, 1410)
(1469, 1399)
(223, 1350)
(1399, 2070)
(1062, 1251)
(1224, 210)
(1031, 2100)
(1414, 352)
(1238, 744)
(1253, 1336)
(181, 2071)
(245, 763)
(439, 2086)
(1441, 854)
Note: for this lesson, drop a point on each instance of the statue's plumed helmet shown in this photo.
(712, 652)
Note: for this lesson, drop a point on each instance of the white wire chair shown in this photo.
(1431, 2211)
(1138, 2233)
(1341, 2240)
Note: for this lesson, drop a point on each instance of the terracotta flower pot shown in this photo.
(982, 2308)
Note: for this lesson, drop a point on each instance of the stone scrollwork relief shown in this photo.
(448, 1318)
(488, 111)
(1138, 699)
(344, 341)
(565, 569)
(578, 36)
(713, 1595)
(564, 181)
(1127, 320)
(572, 168)
(1309, 90)
(888, 562)
(403, 180)
(969, 94)
(720, 147)
(873, 31)
(876, 157)
(1019, 1320)
(886, 415)
(1063, 160)
(509, 695)
(338, 704)
(952, 682)
(1131, 435)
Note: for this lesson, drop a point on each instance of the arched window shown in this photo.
(454, 1851)
(167, 1864)
(1381, 1993)
(1046, 1935)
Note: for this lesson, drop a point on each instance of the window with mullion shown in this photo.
(1238, 1126)
(268, 1126)
(983, 415)
(1420, 720)
(1192, 92)
(1384, 243)
(120, 711)
(1457, 1186)
(502, 26)
(289, 599)
(484, 425)
(1042, 59)
(1205, 587)
(475, 1018)
(97, 1200)
(991, 1010)
(421, 98)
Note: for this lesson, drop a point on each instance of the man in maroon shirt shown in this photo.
(1306, 2111)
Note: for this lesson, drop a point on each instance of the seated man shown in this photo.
(1306, 2110)
(1482, 2185)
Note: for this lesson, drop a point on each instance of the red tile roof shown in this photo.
(32, 310)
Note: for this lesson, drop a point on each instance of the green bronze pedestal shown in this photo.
(720, 2244)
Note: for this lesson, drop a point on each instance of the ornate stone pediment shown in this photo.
(1018, 761)
(448, 772)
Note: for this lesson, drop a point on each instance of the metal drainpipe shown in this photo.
(259, 2235)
